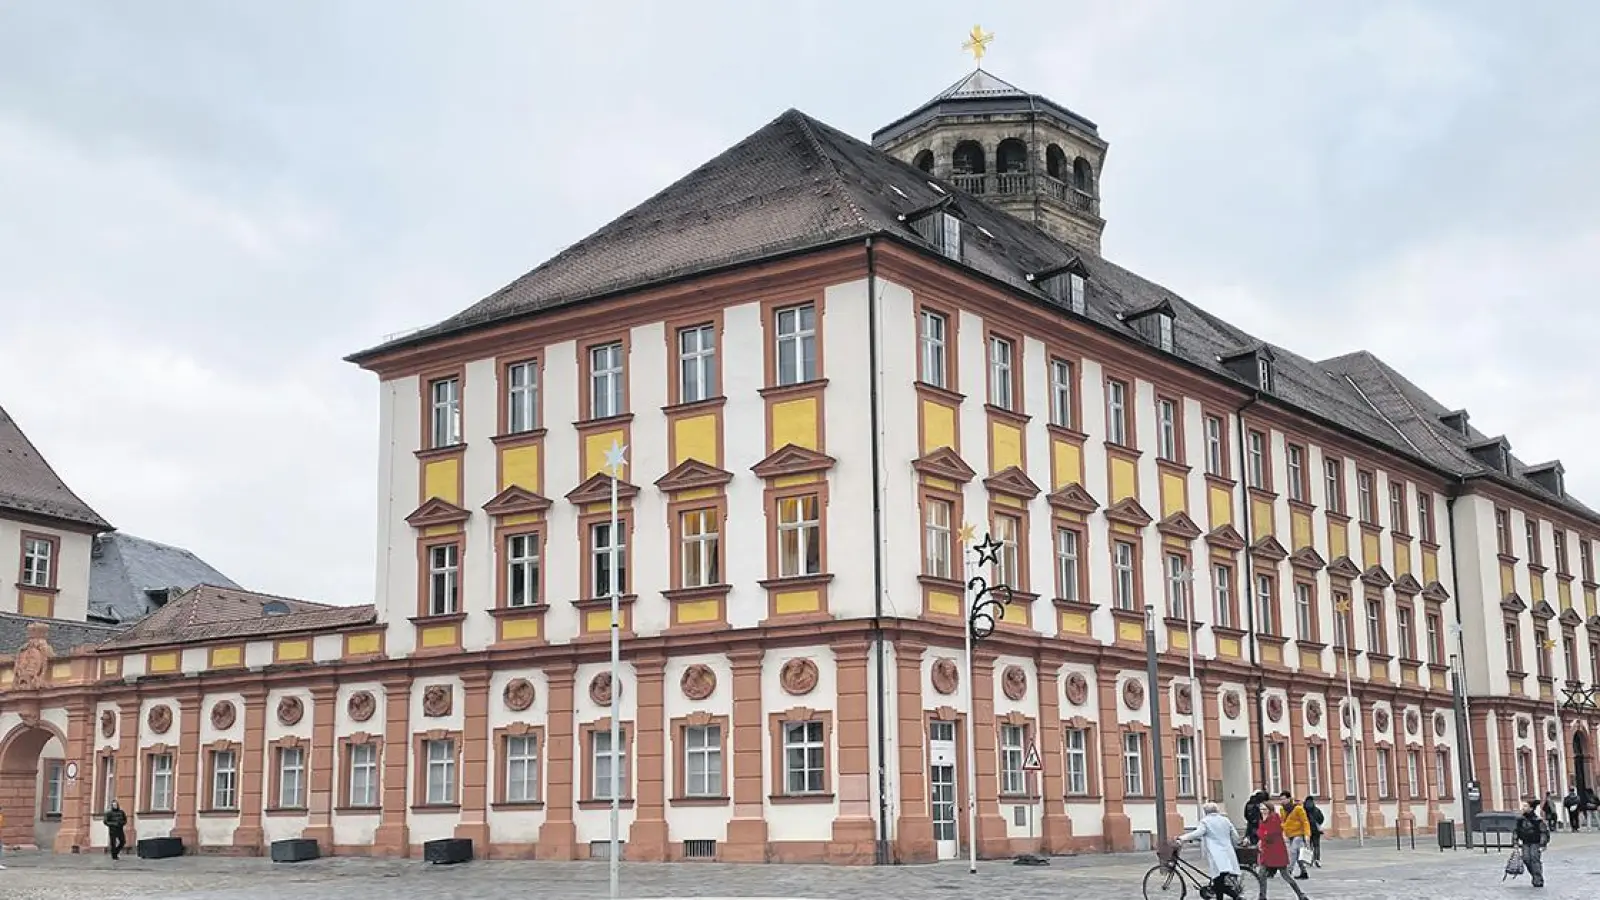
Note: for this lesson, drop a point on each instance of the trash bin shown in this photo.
(1446, 831)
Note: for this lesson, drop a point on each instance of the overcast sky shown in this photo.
(204, 206)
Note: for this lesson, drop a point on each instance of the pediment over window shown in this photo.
(1128, 512)
(1012, 481)
(944, 463)
(692, 474)
(792, 459)
(1307, 557)
(597, 489)
(516, 501)
(1514, 603)
(1179, 525)
(1342, 567)
(1435, 592)
(434, 511)
(1225, 536)
(1593, 622)
(1407, 586)
(1268, 548)
(1073, 498)
(1570, 618)
(1376, 577)
(1544, 611)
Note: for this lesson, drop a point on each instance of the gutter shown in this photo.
(1249, 586)
(881, 855)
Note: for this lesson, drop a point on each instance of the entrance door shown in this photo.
(942, 787)
(1235, 775)
(1580, 762)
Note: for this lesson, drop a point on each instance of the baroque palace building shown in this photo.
(826, 356)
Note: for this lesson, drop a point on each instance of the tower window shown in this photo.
(1055, 162)
(924, 161)
(1083, 176)
(1011, 157)
(968, 159)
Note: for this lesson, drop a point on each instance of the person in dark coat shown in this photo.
(1314, 816)
(115, 821)
(1252, 816)
(1273, 857)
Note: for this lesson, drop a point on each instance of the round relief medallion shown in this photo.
(159, 719)
(1345, 714)
(1014, 682)
(798, 677)
(438, 700)
(1413, 721)
(223, 714)
(1230, 704)
(1133, 693)
(1439, 724)
(361, 706)
(601, 689)
(291, 710)
(518, 694)
(1522, 727)
(1077, 689)
(698, 682)
(946, 677)
(108, 723)
(1274, 708)
(1380, 719)
(1314, 712)
(1183, 699)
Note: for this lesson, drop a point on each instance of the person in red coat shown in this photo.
(1274, 853)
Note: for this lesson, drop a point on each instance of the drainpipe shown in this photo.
(1466, 764)
(1250, 587)
(881, 855)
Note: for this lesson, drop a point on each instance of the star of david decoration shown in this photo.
(616, 458)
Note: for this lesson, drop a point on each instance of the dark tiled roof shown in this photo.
(210, 612)
(125, 568)
(799, 184)
(29, 485)
(63, 636)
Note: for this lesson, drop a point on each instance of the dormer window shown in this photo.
(940, 229)
(1068, 285)
(1264, 373)
(1077, 287)
(1155, 323)
(1255, 366)
(1164, 331)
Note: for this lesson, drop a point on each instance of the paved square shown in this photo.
(1376, 872)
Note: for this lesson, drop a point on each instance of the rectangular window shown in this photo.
(950, 236)
(1256, 456)
(803, 751)
(1541, 653)
(1314, 769)
(1177, 586)
(1586, 560)
(797, 344)
(601, 544)
(1414, 774)
(1383, 774)
(1341, 620)
(291, 778)
(1402, 624)
(1007, 564)
(607, 764)
(1216, 456)
(108, 782)
(1133, 764)
(1122, 556)
(606, 381)
(1077, 287)
(1304, 623)
(702, 548)
(1275, 768)
(54, 778)
(1349, 770)
(522, 768)
(702, 761)
(1552, 771)
(1000, 373)
(224, 780)
(363, 775)
(1117, 413)
(1397, 507)
(1222, 578)
(1013, 747)
(1333, 473)
(1266, 605)
(1441, 773)
(1164, 332)
(931, 337)
(799, 536)
(1532, 528)
(697, 363)
(1375, 642)
(1367, 503)
(1067, 564)
(1297, 473)
(445, 430)
(1077, 764)
(444, 578)
(36, 558)
(160, 782)
(1502, 532)
(1524, 774)
(1513, 647)
(522, 570)
(522, 397)
(1425, 515)
(1435, 640)
(1558, 536)
(1061, 389)
(937, 537)
(1167, 436)
(1185, 759)
(440, 756)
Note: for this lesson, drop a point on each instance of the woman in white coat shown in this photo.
(1217, 836)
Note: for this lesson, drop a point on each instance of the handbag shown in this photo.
(1514, 865)
(1305, 855)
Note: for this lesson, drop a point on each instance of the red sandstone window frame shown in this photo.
(1129, 419)
(1253, 480)
(675, 330)
(586, 398)
(587, 523)
(1080, 584)
(105, 770)
(52, 565)
(1444, 789)
(774, 307)
(680, 760)
(503, 373)
(1299, 484)
(587, 734)
(952, 368)
(503, 535)
(1224, 467)
(346, 778)
(780, 768)
(1091, 759)
(1029, 782)
(276, 755)
(502, 766)
(1016, 403)
(425, 547)
(147, 781)
(954, 562)
(1146, 789)
(1367, 496)
(1178, 455)
(208, 797)
(419, 751)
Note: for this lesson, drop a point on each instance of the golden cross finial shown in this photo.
(978, 42)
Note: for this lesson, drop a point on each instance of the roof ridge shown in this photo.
(86, 513)
(1427, 420)
(832, 165)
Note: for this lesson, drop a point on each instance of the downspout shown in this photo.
(1466, 764)
(881, 855)
(1249, 586)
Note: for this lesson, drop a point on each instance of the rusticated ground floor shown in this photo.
(745, 747)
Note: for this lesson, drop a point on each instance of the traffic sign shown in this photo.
(1030, 761)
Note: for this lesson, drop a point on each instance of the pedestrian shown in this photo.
(2, 833)
(1591, 806)
(116, 820)
(1533, 835)
(1552, 818)
(1274, 853)
(1297, 830)
(1252, 816)
(1574, 804)
(1217, 836)
(1314, 816)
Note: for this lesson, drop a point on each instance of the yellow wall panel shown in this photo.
(1221, 506)
(1338, 540)
(1130, 631)
(597, 620)
(1228, 647)
(1589, 604)
(1174, 496)
(1271, 653)
(784, 481)
(438, 636)
(222, 657)
(1537, 585)
(60, 671)
(294, 651)
(110, 666)
(1310, 659)
(1068, 462)
(35, 605)
(163, 662)
(1437, 678)
(938, 426)
(1008, 500)
(520, 466)
(442, 478)
(790, 602)
(441, 530)
(522, 519)
(1075, 623)
(696, 611)
(1178, 640)
(1124, 479)
(1261, 523)
(697, 494)
(944, 604)
(696, 438)
(939, 484)
(519, 629)
(360, 644)
(1007, 443)
(1300, 529)
(1369, 550)
(1402, 557)
(594, 451)
(1430, 566)
(1508, 579)
(795, 422)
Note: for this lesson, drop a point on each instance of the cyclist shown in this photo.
(1218, 836)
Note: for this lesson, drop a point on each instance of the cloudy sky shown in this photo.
(204, 206)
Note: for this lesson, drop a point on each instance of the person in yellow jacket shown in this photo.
(1297, 830)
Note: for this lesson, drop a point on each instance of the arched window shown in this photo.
(1082, 176)
(1012, 156)
(924, 161)
(968, 158)
(1055, 162)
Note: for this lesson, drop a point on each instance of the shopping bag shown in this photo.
(1514, 865)
(1306, 856)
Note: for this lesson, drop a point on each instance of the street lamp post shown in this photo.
(616, 459)
(1152, 697)
(1555, 702)
(1185, 584)
(985, 609)
(1343, 625)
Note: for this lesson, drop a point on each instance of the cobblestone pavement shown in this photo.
(1375, 872)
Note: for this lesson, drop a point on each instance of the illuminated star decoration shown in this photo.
(1342, 606)
(616, 458)
(989, 551)
(977, 43)
(968, 533)
(1548, 644)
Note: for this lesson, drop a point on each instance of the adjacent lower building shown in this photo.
(824, 358)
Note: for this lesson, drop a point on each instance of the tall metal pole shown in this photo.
(969, 776)
(615, 460)
(1343, 608)
(1186, 585)
(1555, 707)
(1152, 697)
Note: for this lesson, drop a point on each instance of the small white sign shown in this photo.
(71, 770)
(1030, 761)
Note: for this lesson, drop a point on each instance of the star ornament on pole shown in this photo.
(989, 601)
(616, 458)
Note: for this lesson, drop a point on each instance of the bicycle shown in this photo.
(1172, 876)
